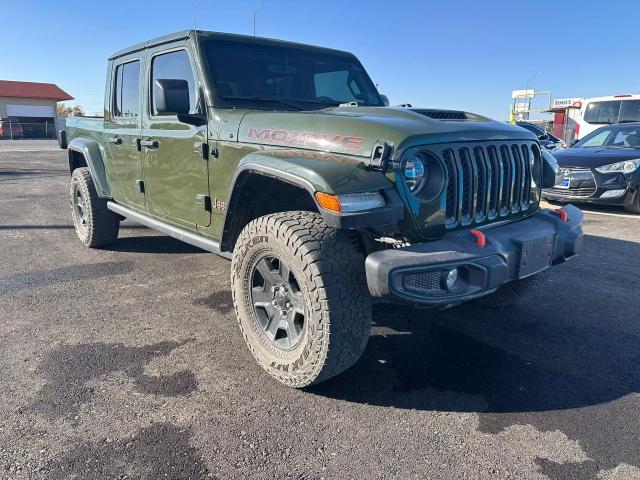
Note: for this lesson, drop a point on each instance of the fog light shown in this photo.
(613, 193)
(452, 278)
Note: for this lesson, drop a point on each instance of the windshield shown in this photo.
(256, 74)
(612, 137)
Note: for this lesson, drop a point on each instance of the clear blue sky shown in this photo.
(451, 54)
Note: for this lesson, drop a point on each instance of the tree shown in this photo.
(68, 111)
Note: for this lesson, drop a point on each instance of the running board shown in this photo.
(175, 232)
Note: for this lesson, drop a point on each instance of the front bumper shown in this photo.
(417, 274)
(589, 186)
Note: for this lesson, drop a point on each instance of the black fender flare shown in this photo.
(386, 217)
(93, 155)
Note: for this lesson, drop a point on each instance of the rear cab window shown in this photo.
(126, 91)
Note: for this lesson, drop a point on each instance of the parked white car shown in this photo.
(599, 111)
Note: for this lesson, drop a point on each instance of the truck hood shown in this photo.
(356, 130)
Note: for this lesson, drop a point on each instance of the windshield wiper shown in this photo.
(264, 99)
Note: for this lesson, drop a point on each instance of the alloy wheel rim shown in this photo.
(81, 208)
(278, 303)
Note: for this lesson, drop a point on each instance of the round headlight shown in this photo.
(414, 172)
(629, 167)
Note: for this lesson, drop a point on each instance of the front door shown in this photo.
(122, 132)
(175, 172)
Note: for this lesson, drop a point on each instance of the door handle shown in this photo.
(115, 140)
(149, 143)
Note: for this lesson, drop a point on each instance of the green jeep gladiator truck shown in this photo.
(285, 158)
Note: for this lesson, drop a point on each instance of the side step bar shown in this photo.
(175, 232)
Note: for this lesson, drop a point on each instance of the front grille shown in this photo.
(488, 181)
(583, 183)
(571, 192)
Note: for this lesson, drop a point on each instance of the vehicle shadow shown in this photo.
(564, 347)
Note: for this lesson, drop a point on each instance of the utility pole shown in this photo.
(255, 12)
(539, 72)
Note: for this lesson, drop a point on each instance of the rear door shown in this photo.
(176, 174)
(123, 128)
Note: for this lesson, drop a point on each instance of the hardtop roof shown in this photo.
(184, 34)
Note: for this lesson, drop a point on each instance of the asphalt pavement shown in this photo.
(126, 362)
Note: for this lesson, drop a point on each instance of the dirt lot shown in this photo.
(127, 362)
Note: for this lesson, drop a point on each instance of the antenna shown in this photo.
(255, 12)
(193, 14)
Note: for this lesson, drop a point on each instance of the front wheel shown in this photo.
(514, 291)
(299, 290)
(634, 207)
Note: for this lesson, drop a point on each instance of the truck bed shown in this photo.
(90, 127)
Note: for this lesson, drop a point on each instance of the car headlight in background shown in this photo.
(415, 172)
(626, 166)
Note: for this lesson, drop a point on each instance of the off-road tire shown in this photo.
(329, 268)
(635, 206)
(512, 292)
(100, 226)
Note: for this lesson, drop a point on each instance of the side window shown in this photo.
(601, 113)
(630, 111)
(126, 91)
(173, 66)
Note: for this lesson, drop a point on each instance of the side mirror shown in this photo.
(385, 100)
(171, 97)
(543, 137)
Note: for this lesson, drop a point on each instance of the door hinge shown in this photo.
(203, 202)
(140, 184)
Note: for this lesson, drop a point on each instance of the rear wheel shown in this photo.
(95, 224)
(512, 292)
(300, 294)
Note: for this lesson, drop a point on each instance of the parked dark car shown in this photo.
(603, 167)
(547, 140)
(10, 128)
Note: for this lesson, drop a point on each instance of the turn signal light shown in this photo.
(328, 201)
(350, 202)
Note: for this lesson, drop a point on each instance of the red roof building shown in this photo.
(49, 91)
(32, 107)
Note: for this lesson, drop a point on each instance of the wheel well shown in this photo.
(76, 160)
(256, 195)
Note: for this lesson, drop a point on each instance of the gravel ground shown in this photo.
(126, 362)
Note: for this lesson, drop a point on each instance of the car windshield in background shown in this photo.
(612, 112)
(612, 137)
(274, 76)
(602, 112)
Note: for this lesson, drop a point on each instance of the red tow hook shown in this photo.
(563, 215)
(481, 240)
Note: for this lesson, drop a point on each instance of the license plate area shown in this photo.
(535, 254)
(564, 183)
